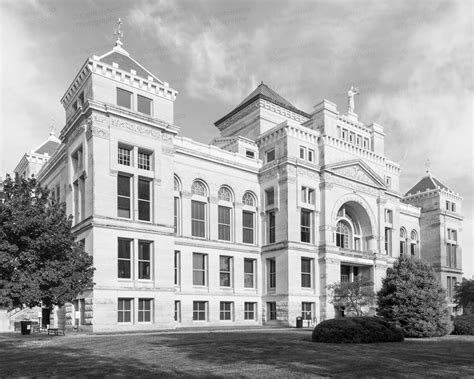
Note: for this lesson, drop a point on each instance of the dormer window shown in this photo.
(124, 98)
(144, 105)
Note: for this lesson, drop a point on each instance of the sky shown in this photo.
(411, 60)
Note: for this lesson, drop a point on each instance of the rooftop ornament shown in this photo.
(350, 98)
(118, 32)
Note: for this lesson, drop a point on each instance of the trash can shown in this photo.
(25, 327)
(299, 322)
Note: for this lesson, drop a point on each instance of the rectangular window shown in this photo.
(144, 105)
(302, 152)
(272, 311)
(124, 313)
(344, 134)
(250, 154)
(305, 226)
(223, 221)
(199, 269)
(124, 259)
(271, 227)
(198, 219)
(448, 205)
(271, 273)
(124, 98)
(199, 310)
(123, 196)
(388, 216)
(225, 269)
(307, 311)
(388, 241)
(310, 155)
(388, 181)
(358, 140)
(270, 196)
(144, 260)
(338, 128)
(306, 272)
(366, 143)
(144, 310)
(247, 227)
(307, 195)
(351, 137)
(270, 155)
(249, 311)
(177, 265)
(450, 288)
(144, 199)
(453, 209)
(124, 156)
(249, 273)
(226, 310)
(144, 160)
(177, 311)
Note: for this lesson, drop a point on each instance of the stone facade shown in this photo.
(246, 231)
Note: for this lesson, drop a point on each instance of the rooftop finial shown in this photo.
(118, 32)
(428, 166)
(350, 98)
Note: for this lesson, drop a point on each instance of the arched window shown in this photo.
(249, 213)
(225, 214)
(248, 199)
(177, 205)
(198, 188)
(403, 241)
(413, 242)
(343, 234)
(199, 209)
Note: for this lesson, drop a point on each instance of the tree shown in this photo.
(412, 298)
(356, 297)
(40, 264)
(464, 295)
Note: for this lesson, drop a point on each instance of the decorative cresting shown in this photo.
(348, 198)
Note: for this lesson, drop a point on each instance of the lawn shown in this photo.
(253, 353)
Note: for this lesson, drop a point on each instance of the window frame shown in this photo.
(150, 103)
(122, 196)
(203, 271)
(122, 259)
(122, 310)
(246, 229)
(198, 221)
(305, 230)
(226, 314)
(143, 201)
(271, 216)
(144, 312)
(271, 273)
(307, 276)
(225, 272)
(253, 263)
(271, 311)
(143, 261)
(270, 155)
(130, 97)
(224, 230)
(250, 311)
(197, 311)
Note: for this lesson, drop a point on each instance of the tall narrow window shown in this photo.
(198, 219)
(306, 272)
(271, 273)
(124, 259)
(177, 311)
(343, 235)
(144, 200)
(199, 269)
(124, 155)
(271, 311)
(271, 227)
(123, 196)
(177, 265)
(302, 152)
(249, 273)
(403, 241)
(176, 212)
(225, 271)
(413, 242)
(144, 310)
(307, 311)
(249, 311)
(305, 226)
(248, 227)
(144, 105)
(199, 310)
(270, 155)
(224, 223)
(310, 155)
(144, 159)
(124, 312)
(144, 260)
(270, 196)
(388, 241)
(124, 98)
(226, 311)
(177, 205)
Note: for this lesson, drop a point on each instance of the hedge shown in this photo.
(356, 330)
(463, 325)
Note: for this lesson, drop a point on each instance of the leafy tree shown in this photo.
(356, 297)
(40, 264)
(412, 298)
(464, 295)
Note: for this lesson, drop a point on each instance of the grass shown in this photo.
(254, 353)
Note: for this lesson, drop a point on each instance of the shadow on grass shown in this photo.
(298, 355)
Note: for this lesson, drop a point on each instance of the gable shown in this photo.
(359, 171)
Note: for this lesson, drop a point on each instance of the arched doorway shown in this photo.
(353, 227)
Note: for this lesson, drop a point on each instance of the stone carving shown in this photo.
(96, 132)
(350, 98)
(355, 172)
(354, 185)
(136, 128)
(167, 150)
(97, 118)
(167, 138)
(357, 199)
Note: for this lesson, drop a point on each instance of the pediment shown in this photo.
(359, 171)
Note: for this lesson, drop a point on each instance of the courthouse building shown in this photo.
(248, 230)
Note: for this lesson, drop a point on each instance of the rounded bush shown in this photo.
(356, 330)
(463, 325)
